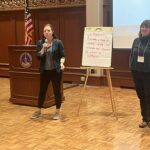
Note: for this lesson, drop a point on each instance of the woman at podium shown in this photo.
(50, 52)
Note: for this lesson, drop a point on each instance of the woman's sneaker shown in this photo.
(143, 124)
(148, 124)
(36, 114)
(56, 116)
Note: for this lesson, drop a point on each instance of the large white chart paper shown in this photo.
(97, 46)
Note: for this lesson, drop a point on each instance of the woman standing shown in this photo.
(50, 52)
(140, 67)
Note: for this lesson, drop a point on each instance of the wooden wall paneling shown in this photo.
(7, 37)
(72, 23)
(19, 28)
(44, 17)
(120, 59)
(120, 63)
(37, 35)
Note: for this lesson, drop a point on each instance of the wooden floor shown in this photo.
(95, 129)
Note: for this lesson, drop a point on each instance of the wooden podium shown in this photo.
(24, 77)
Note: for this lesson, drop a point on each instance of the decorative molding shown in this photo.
(8, 5)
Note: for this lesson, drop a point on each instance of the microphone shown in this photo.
(46, 40)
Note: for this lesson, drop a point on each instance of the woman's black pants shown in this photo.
(55, 77)
(142, 85)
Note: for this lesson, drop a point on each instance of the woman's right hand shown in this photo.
(42, 51)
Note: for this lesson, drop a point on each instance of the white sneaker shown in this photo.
(56, 116)
(36, 114)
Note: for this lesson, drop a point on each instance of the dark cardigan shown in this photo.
(57, 53)
(137, 44)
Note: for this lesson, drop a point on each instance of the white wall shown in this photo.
(94, 13)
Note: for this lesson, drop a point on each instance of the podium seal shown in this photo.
(25, 60)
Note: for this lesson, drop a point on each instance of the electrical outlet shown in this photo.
(82, 78)
(93, 71)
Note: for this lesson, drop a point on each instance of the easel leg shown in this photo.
(83, 91)
(111, 93)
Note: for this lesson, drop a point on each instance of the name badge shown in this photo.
(140, 59)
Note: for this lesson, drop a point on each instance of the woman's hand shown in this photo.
(62, 67)
(62, 61)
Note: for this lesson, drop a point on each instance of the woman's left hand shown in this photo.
(62, 67)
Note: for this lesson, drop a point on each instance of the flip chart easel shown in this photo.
(97, 47)
(107, 69)
(97, 50)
